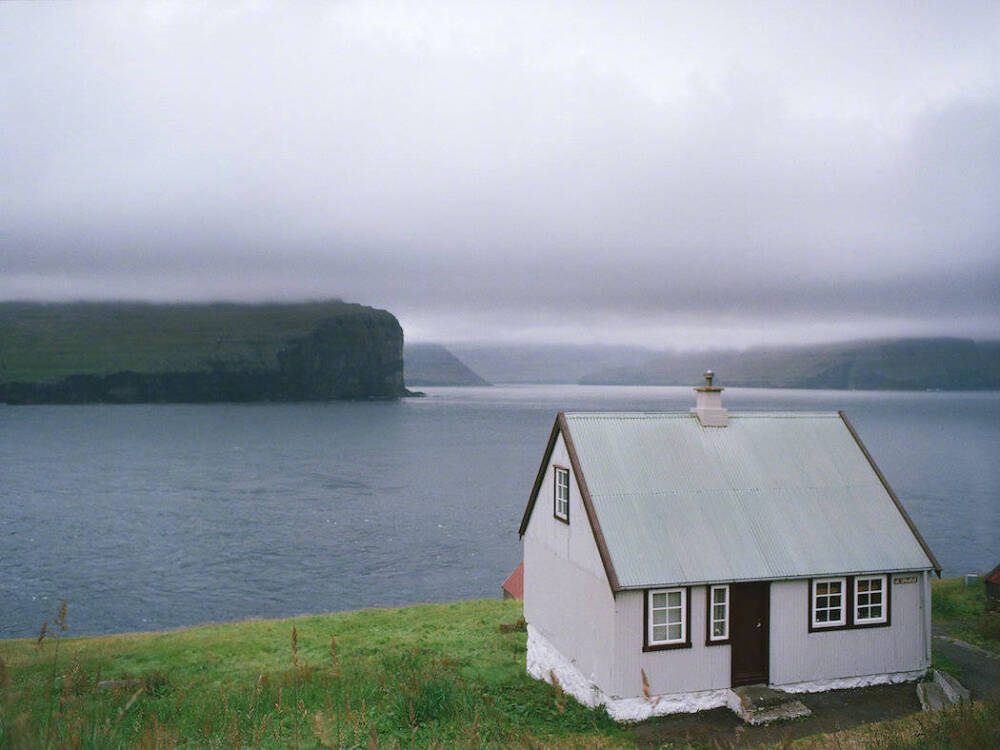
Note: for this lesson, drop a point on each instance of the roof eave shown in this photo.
(771, 578)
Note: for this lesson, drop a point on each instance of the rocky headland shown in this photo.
(144, 353)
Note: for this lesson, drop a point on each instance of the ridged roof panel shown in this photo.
(773, 495)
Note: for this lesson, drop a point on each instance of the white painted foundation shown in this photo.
(544, 660)
(843, 683)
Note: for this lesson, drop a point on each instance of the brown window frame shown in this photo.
(556, 468)
(646, 646)
(849, 608)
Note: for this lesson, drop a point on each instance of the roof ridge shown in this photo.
(723, 490)
(688, 414)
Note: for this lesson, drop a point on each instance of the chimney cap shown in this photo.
(709, 376)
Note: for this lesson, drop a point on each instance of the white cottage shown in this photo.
(672, 556)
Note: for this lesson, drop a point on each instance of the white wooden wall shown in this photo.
(567, 596)
(679, 670)
(800, 656)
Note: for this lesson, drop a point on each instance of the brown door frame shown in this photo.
(765, 588)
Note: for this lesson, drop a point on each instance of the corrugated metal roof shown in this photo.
(773, 495)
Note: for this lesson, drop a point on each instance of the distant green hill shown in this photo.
(117, 351)
(433, 364)
(544, 363)
(893, 364)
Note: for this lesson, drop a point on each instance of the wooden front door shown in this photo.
(749, 634)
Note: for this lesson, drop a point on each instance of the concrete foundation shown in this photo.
(755, 704)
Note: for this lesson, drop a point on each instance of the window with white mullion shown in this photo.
(667, 617)
(561, 493)
(829, 602)
(718, 613)
(869, 599)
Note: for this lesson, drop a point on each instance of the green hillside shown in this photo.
(43, 343)
(892, 364)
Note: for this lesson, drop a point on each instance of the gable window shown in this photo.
(560, 507)
(667, 615)
(870, 600)
(718, 614)
(829, 602)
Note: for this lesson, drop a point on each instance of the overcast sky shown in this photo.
(665, 174)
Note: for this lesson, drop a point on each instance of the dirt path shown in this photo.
(980, 668)
(832, 711)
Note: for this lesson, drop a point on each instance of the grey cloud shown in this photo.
(509, 167)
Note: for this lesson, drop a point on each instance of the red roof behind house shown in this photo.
(993, 577)
(514, 585)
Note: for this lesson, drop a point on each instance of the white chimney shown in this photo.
(708, 404)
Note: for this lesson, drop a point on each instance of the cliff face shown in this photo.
(356, 357)
(356, 353)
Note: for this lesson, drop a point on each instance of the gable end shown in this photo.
(561, 427)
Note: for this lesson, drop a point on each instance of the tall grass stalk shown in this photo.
(61, 627)
(428, 676)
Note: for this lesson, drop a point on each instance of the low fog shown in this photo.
(658, 174)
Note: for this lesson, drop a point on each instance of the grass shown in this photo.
(435, 675)
(944, 664)
(967, 726)
(961, 609)
(45, 342)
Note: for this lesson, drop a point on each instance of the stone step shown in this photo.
(952, 688)
(931, 696)
(758, 704)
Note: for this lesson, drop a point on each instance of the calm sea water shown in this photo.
(149, 517)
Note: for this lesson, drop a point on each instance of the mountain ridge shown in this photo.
(434, 365)
(940, 363)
